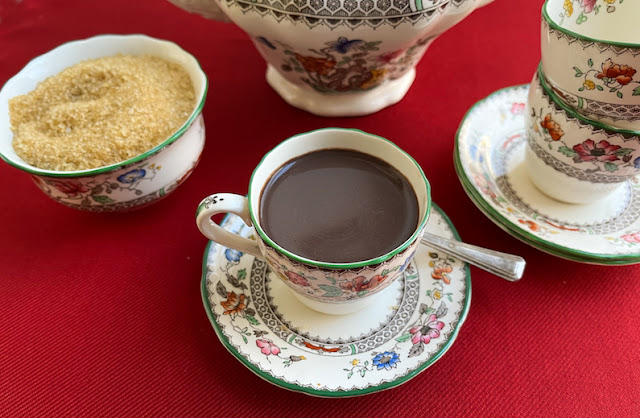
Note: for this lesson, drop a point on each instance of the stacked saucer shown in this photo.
(556, 164)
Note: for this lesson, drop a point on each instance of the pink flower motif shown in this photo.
(426, 332)
(517, 108)
(588, 5)
(602, 151)
(390, 56)
(267, 347)
(295, 278)
(69, 187)
(632, 238)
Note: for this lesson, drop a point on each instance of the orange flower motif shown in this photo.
(532, 225)
(553, 127)
(376, 78)
(234, 304)
(440, 272)
(623, 74)
(322, 66)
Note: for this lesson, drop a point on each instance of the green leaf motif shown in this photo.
(252, 320)
(349, 375)
(624, 151)
(619, 94)
(610, 167)
(245, 339)
(599, 88)
(578, 71)
(567, 151)
(612, 89)
(590, 62)
(242, 274)
(403, 338)
(581, 89)
(362, 372)
(102, 199)
(330, 291)
(636, 92)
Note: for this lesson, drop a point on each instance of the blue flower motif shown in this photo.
(386, 360)
(266, 42)
(132, 176)
(342, 45)
(406, 262)
(233, 255)
(473, 150)
(636, 162)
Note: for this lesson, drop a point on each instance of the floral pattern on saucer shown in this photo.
(409, 327)
(491, 133)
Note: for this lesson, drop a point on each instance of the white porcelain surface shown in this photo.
(600, 81)
(571, 160)
(338, 287)
(340, 58)
(606, 20)
(128, 184)
(410, 326)
(490, 162)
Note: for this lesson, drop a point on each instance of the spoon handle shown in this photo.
(507, 266)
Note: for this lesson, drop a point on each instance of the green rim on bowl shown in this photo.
(346, 393)
(112, 167)
(328, 265)
(525, 236)
(571, 112)
(557, 27)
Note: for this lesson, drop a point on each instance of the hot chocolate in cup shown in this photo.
(337, 214)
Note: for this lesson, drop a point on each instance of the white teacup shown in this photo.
(334, 288)
(598, 78)
(610, 21)
(571, 158)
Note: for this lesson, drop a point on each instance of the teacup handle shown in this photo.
(226, 203)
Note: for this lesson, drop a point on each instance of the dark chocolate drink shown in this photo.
(338, 206)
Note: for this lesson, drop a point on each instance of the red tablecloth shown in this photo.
(102, 315)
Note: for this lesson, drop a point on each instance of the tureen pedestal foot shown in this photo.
(345, 104)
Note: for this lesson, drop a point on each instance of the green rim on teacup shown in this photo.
(112, 167)
(502, 222)
(341, 393)
(571, 112)
(328, 265)
(557, 27)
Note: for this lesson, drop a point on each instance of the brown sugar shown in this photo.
(101, 112)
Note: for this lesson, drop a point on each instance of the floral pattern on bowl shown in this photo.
(489, 138)
(135, 185)
(257, 318)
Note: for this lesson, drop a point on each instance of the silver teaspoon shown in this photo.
(507, 266)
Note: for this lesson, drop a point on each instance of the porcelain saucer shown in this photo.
(489, 160)
(412, 324)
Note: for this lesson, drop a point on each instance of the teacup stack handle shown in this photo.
(226, 203)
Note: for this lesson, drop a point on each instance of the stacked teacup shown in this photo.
(583, 125)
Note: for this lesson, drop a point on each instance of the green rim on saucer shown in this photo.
(386, 379)
(508, 225)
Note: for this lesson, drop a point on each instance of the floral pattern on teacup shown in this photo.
(613, 77)
(583, 9)
(336, 285)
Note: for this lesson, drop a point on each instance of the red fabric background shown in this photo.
(101, 314)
